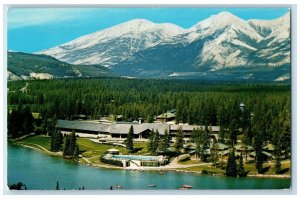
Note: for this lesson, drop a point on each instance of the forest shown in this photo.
(266, 117)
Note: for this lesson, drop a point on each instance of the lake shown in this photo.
(41, 172)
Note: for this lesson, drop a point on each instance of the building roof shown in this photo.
(83, 125)
(138, 128)
(175, 127)
(123, 128)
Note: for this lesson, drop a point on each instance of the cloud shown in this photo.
(22, 17)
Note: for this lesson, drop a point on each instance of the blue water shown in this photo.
(39, 171)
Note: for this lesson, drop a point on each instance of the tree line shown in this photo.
(266, 117)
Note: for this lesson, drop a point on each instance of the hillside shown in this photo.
(32, 66)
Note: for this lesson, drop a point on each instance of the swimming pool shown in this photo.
(134, 157)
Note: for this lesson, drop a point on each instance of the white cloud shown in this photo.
(21, 17)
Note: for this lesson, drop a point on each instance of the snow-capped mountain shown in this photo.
(113, 45)
(143, 48)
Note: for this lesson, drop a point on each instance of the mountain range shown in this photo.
(222, 46)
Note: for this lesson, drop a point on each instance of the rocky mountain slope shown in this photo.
(221, 43)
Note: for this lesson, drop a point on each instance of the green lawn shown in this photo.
(91, 149)
(87, 147)
(39, 139)
(248, 167)
(208, 168)
(271, 171)
(142, 146)
(189, 162)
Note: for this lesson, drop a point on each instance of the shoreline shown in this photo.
(106, 166)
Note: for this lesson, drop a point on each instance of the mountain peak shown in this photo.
(138, 23)
(219, 20)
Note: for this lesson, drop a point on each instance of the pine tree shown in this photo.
(202, 143)
(129, 140)
(53, 140)
(156, 141)
(66, 146)
(179, 140)
(57, 186)
(76, 152)
(240, 169)
(151, 142)
(277, 143)
(258, 151)
(165, 141)
(231, 169)
(214, 154)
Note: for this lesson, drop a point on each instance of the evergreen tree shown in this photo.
(76, 152)
(66, 151)
(150, 145)
(129, 140)
(153, 142)
(179, 140)
(56, 141)
(202, 143)
(231, 169)
(214, 154)
(276, 128)
(240, 169)
(57, 186)
(27, 120)
(73, 143)
(165, 141)
(156, 141)
(258, 151)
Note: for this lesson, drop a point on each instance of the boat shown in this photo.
(118, 186)
(185, 187)
(152, 185)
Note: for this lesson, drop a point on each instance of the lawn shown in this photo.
(186, 162)
(87, 147)
(142, 148)
(210, 169)
(39, 140)
(269, 167)
(90, 149)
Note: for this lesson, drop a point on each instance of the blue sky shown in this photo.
(35, 29)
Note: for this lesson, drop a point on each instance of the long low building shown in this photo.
(120, 130)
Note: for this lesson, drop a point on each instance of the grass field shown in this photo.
(269, 167)
(39, 140)
(88, 149)
(186, 162)
(208, 168)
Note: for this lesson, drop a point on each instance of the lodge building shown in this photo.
(120, 130)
